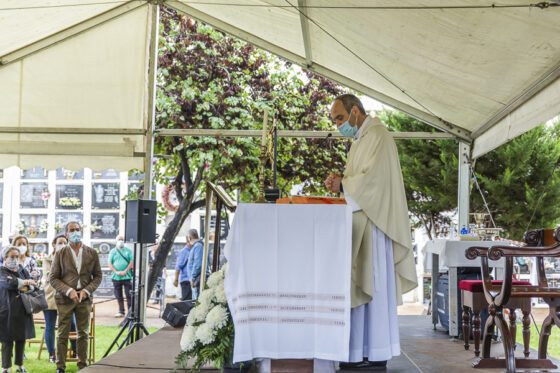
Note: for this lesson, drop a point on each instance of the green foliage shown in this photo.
(517, 179)
(209, 80)
(429, 173)
(513, 178)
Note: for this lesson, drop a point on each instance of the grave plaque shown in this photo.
(107, 174)
(69, 196)
(30, 195)
(105, 196)
(1, 173)
(105, 289)
(1, 194)
(40, 247)
(224, 226)
(1, 223)
(173, 253)
(34, 173)
(103, 248)
(64, 174)
(133, 188)
(104, 225)
(37, 221)
(63, 218)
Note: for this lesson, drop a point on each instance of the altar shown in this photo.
(450, 255)
(288, 281)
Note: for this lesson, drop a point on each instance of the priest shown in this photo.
(383, 265)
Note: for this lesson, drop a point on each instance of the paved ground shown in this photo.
(105, 310)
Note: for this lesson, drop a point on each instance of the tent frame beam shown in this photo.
(293, 134)
(432, 120)
(302, 5)
(521, 99)
(73, 131)
(69, 32)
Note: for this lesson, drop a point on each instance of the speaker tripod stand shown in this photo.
(136, 314)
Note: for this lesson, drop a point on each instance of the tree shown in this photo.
(520, 178)
(429, 173)
(517, 178)
(207, 79)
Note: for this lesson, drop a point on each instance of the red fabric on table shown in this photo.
(475, 286)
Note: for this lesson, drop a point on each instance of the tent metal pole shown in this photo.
(295, 134)
(154, 28)
(154, 15)
(464, 185)
(305, 32)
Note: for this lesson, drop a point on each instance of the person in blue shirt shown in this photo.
(181, 275)
(194, 263)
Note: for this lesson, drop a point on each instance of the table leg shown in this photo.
(435, 279)
(453, 297)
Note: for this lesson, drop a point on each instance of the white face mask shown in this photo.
(11, 263)
(22, 249)
(59, 247)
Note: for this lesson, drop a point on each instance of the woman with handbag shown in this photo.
(51, 313)
(16, 325)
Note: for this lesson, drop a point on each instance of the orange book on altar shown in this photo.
(311, 200)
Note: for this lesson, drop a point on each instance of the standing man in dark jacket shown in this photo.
(15, 324)
(75, 275)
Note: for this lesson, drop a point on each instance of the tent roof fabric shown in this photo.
(483, 73)
(73, 85)
(455, 67)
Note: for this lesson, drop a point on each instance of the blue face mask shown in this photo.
(75, 237)
(347, 130)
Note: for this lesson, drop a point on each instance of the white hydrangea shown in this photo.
(205, 334)
(206, 297)
(215, 279)
(217, 317)
(198, 314)
(224, 269)
(220, 294)
(188, 339)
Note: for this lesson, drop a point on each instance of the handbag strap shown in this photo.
(127, 261)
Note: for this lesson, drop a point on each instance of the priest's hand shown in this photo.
(332, 183)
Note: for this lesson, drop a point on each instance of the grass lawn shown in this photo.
(553, 340)
(104, 335)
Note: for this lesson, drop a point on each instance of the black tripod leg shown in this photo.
(115, 341)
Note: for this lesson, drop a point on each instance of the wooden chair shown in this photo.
(498, 296)
(473, 299)
(38, 319)
(91, 337)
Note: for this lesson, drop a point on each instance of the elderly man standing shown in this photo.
(121, 260)
(75, 275)
(382, 260)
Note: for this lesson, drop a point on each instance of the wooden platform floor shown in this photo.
(422, 350)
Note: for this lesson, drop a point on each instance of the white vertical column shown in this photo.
(51, 233)
(86, 205)
(464, 185)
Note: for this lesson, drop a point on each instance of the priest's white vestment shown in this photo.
(382, 260)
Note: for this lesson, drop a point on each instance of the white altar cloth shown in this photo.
(288, 281)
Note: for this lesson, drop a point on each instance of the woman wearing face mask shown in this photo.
(51, 313)
(25, 259)
(15, 324)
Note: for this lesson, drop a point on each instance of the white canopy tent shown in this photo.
(74, 75)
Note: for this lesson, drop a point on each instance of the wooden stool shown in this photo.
(472, 297)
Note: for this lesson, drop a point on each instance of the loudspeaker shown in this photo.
(176, 313)
(140, 225)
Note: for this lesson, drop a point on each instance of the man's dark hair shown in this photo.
(71, 222)
(193, 234)
(59, 236)
(349, 100)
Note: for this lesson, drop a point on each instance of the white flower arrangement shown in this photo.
(208, 333)
(20, 227)
(70, 202)
(43, 226)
